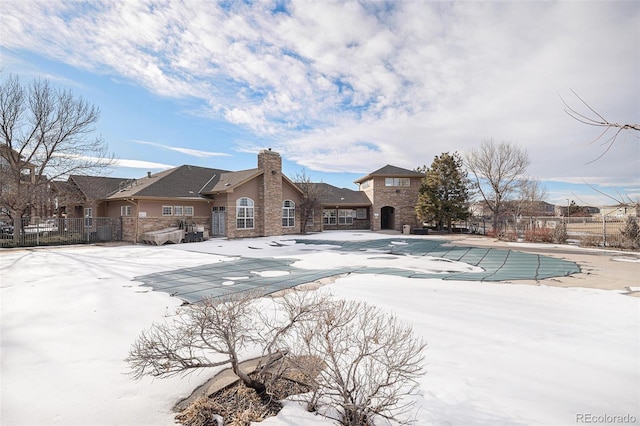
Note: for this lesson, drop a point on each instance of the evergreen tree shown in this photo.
(444, 193)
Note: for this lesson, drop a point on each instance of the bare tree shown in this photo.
(371, 363)
(215, 332)
(45, 134)
(610, 130)
(311, 197)
(497, 170)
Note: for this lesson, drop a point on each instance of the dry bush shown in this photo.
(238, 405)
(351, 357)
(591, 240)
(371, 363)
(539, 235)
(559, 234)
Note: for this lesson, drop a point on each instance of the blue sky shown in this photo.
(344, 88)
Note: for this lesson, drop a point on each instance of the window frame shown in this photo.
(167, 211)
(397, 181)
(288, 214)
(178, 211)
(189, 211)
(330, 217)
(125, 210)
(345, 216)
(245, 213)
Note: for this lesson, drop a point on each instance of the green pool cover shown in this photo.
(269, 275)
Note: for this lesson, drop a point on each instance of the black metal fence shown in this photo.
(59, 231)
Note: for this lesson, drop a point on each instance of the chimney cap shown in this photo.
(148, 174)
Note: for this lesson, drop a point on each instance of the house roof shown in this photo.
(95, 187)
(180, 182)
(390, 171)
(227, 181)
(332, 195)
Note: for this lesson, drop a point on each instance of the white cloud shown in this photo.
(140, 164)
(187, 151)
(353, 86)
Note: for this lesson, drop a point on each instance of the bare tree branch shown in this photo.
(594, 118)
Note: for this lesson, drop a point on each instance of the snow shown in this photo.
(497, 353)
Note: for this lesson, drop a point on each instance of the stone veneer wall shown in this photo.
(403, 199)
(270, 194)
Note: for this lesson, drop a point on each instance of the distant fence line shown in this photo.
(604, 231)
(60, 231)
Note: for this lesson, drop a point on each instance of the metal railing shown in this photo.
(30, 232)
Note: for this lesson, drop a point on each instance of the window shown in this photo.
(125, 210)
(345, 217)
(366, 184)
(167, 210)
(177, 210)
(397, 182)
(361, 213)
(188, 210)
(88, 216)
(329, 217)
(288, 214)
(244, 213)
(310, 219)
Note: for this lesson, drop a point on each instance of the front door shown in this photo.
(387, 220)
(217, 222)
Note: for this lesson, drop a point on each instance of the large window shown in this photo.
(345, 217)
(329, 217)
(244, 213)
(288, 213)
(397, 182)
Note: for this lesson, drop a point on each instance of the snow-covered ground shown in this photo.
(497, 354)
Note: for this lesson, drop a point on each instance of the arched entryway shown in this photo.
(387, 217)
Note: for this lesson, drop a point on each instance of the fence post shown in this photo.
(604, 231)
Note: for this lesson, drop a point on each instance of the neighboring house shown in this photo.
(510, 208)
(82, 196)
(580, 211)
(20, 188)
(249, 203)
(620, 210)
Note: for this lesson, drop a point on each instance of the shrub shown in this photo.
(630, 233)
(591, 240)
(372, 362)
(559, 234)
(539, 235)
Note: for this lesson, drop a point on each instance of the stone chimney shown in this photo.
(270, 163)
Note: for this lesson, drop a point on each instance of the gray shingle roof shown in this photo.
(96, 187)
(180, 182)
(390, 171)
(332, 195)
(229, 180)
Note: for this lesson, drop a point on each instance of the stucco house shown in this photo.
(258, 202)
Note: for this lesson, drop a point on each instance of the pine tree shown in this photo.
(444, 193)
